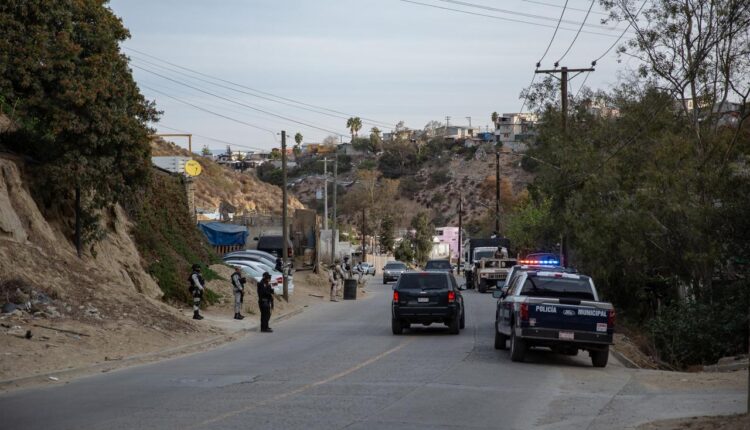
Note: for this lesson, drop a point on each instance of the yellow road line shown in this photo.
(303, 388)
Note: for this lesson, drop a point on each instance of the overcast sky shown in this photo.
(385, 60)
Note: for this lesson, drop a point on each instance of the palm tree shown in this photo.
(354, 124)
(494, 118)
(298, 140)
(375, 140)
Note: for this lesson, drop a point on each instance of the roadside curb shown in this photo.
(623, 359)
(107, 366)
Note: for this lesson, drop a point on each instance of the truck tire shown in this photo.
(500, 340)
(469, 280)
(482, 286)
(396, 326)
(517, 346)
(453, 325)
(599, 358)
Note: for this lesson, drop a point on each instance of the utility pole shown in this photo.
(447, 124)
(364, 234)
(284, 226)
(497, 193)
(333, 221)
(325, 193)
(460, 226)
(563, 71)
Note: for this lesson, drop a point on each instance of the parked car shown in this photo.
(272, 244)
(426, 298)
(367, 268)
(255, 256)
(277, 279)
(392, 270)
(262, 254)
(439, 266)
(554, 309)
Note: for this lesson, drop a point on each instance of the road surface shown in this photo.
(337, 366)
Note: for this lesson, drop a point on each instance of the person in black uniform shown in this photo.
(265, 302)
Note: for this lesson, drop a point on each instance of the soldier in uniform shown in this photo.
(333, 279)
(238, 288)
(265, 302)
(197, 285)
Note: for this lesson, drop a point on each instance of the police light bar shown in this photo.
(539, 262)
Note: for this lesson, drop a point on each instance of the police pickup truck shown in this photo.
(553, 309)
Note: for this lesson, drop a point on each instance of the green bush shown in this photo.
(702, 331)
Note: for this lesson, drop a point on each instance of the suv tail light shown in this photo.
(280, 280)
(395, 297)
(524, 311)
(451, 296)
(611, 318)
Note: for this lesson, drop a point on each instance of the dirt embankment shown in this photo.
(61, 311)
(217, 184)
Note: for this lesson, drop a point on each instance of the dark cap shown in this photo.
(266, 275)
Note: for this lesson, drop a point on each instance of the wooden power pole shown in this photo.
(284, 223)
(563, 71)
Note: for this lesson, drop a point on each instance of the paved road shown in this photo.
(338, 366)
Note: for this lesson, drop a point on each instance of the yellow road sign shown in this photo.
(193, 168)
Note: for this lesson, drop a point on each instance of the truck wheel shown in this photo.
(453, 326)
(396, 326)
(599, 358)
(462, 324)
(500, 340)
(517, 346)
(482, 286)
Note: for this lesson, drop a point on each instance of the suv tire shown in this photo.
(462, 324)
(453, 325)
(396, 326)
(600, 358)
(500, 340)
(517, 346)
(482, 288)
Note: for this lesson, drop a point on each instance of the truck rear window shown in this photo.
(423, 281)
(433, 265)
(536, 286)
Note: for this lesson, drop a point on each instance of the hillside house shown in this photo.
(515, 130)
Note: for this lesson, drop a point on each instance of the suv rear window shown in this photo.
(423, 281)
(536, 286)
(395, 266)
(432, 265)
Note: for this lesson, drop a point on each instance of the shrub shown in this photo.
(702, 331)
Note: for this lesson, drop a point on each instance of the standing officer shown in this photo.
(238, 287)
(197, 285)
(333, 278)
(265, 302)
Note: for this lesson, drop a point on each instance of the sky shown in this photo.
(383, 60)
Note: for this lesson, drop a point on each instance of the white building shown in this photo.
(514, 130)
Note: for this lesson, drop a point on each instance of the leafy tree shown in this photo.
(386, 233)
(376, 141)
(205, 151)
(298, 141)
(404, 251)
(298, 138)
(423, 233)
(494, 118)
(79, 112)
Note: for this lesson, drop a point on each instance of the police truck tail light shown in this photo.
(611, 318)
(524, 311)
(451, 296)
(395, 297)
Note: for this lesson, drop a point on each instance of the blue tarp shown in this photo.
(220, 234)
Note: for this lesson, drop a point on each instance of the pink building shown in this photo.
(448, 235)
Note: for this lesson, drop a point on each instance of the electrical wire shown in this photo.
(153, 64)
(211, 138)
(539, 63)
(502, 18)
(577, 34)
(585, 78)
(369, 120)
(523, 14)
(558, 6)
(209, 111)
(239, 103)
(630, 24)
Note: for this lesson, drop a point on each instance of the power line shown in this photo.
(211, 138)
(210, 111)
(585, 78)
(558, 6)
(524, 14)
(539, 63)
(239, 103)
(502, 18)
(151, 63)
(369, 120)
(630, 24)
(577, 34)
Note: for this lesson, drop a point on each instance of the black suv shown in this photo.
(426, 298)
(439, 266)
